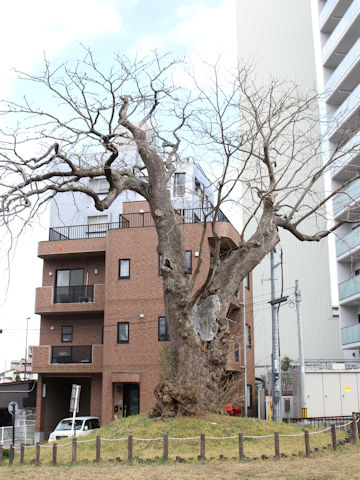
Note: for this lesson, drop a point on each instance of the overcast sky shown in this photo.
(29, 30)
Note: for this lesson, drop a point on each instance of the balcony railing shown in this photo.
(131, 220)
(349, 288)
(71, 354)
(350, 334)
(349, 195)
(74, 294)
(348, 242)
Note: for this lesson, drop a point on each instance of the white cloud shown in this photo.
(201, 31)
(29, 29)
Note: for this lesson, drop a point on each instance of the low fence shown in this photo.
(24, 434)
(353, 427)
(318, 422)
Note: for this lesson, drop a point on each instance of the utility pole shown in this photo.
(303, 403)
(244, 349)
(26, 347)
(275, 360)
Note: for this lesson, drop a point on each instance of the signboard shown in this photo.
(13, 407)
(75, 398)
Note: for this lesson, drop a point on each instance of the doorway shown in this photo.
(131, 399)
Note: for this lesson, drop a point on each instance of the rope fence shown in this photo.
(353, 428)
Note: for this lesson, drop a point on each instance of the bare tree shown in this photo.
(263, 143)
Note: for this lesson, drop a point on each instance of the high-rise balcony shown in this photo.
(347, 197)
(331, 14)
(80, 299)
(346, 117)
(343, 37)
(349, 163)
(351, 334)
(349, 291)
(345, 78)
(68, 359)
(348, 244)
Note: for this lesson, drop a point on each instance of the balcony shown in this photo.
(53, 300)
(349, 163)
(349, 291)
(71, 354)
(343, 37)
(131, 220)
(345, 78)
(331, 14)
(68, 359)
(351, 334)
(74, 294)
(345, 119)
(348, 244)
(347, 198)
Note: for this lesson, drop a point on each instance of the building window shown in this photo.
(249, 395)
(123, 332)
(66, 334)
(99, 185)
(70, 288)
(248, 335)
(163, 332)
(179, 184)
(160, 264)
(97, 224)
(237, 352)
(247, 281)
(188, 254)
(124, 268)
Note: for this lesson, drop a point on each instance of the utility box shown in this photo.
(286, 405)
(328, 392)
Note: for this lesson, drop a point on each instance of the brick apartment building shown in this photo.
(102, 311)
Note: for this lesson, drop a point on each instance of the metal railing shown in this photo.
(71, 354)
(74, 294)
(321, 421)
(23, 434)
(132, 220)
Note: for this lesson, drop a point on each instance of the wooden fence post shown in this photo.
(22, 454)
(37, 454)
(54, 454)
(130, 448)
(241, 446)
(1, 454)
(358, 427)
(202, 446)
(354, 431)
(307, 444)
(11, 455)
(98, 449)
(333, 437)
(277, 445)
(166, 448)
(73, 453)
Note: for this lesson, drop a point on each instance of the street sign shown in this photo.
(13, 407)
(75, 398)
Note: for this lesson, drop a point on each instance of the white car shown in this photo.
(83, 426)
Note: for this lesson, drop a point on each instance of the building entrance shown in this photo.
(131, 399)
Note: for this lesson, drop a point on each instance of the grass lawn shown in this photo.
(324, 464)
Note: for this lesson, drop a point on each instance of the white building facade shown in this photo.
(339, 22)
(276, 38)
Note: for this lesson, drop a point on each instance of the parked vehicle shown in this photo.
(83, 426)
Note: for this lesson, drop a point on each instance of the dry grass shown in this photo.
(140, 426)
(342, 465)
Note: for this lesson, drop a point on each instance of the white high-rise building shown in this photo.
(276, 37)
(339, 22)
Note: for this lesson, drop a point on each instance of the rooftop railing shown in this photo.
(131, 220)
